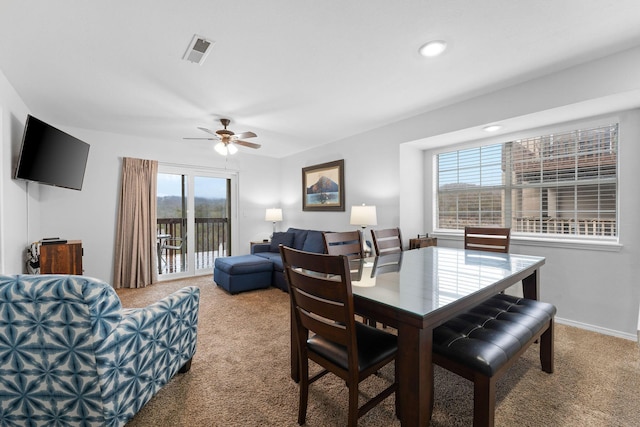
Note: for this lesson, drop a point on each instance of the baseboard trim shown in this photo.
(605, 331)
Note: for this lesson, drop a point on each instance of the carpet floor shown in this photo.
(240, 375)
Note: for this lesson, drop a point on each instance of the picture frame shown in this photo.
(323, 187)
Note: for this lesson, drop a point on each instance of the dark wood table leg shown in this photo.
(530, 286)
(415, 394)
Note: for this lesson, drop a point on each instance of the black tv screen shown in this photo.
(51, 156)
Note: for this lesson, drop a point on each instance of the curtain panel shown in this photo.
(135, 263)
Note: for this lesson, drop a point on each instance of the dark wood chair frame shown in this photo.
(492, 239)
(347, 243)
(387, 241)
(322, 303)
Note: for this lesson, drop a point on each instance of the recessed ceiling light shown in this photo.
(433, 48)
(492, 128)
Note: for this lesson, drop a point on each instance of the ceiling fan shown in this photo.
(228, 139)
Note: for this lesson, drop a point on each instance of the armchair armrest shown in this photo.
(260, 247)
(145, 350)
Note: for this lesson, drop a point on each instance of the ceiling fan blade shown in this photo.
(247, 144)
(208, 139)
(245, 135)
(208, 131)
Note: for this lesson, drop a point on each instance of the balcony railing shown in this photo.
(564, 226)
(568, 226)
(211, 241)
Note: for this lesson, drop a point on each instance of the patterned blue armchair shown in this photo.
(71, 355)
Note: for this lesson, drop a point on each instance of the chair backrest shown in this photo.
(321, 297)
(347, 243)
(492, 239)
(174, 243)
(387, 241)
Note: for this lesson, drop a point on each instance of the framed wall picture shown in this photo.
(323, 187)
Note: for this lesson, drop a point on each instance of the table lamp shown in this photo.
(274, 215)
(364, 216)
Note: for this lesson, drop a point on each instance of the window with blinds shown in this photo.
(557, 184)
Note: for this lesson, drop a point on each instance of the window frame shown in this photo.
(534, 239)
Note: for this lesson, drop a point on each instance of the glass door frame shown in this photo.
(190, 172)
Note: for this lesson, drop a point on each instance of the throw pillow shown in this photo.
(314, 242)
(285, 239)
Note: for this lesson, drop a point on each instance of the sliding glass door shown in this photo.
(195, 211)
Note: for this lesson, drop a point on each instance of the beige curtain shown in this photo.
(136, 264)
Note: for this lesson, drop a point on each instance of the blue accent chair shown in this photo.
(70, 355)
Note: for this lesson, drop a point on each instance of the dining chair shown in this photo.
(347, 243)
(326, 331)
(387, 241)
(492, 239)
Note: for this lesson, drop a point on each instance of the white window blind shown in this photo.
(559, 184)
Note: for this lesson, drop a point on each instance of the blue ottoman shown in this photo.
(242, 273)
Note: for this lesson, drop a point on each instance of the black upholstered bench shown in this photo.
(482, 343)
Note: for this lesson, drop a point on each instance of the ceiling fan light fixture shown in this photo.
(232, 149)
(221, 148)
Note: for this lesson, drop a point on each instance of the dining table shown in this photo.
(418, 290)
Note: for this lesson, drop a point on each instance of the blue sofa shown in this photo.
(304, 240)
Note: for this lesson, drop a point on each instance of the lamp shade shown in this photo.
(363, 215)
(273, 215)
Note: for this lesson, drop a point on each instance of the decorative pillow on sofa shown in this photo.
(278, 239)
(314, 242)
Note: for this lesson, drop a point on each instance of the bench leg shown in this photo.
(484, 401)
(546, 349)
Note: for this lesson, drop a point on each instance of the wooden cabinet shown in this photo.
(61, 258)
(422, 242)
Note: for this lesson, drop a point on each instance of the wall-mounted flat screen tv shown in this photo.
(51, 156)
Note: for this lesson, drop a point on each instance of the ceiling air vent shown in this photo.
(198, 49)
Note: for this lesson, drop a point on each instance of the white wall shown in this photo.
(371, 177)
(14, 200)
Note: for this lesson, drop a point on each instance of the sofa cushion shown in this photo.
(299, 237)
(285, 239)
(274, 257)
(314, 242)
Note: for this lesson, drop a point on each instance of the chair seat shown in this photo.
(374, 345)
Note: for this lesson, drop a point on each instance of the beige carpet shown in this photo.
(240, 375)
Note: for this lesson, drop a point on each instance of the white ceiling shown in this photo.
(299, 73)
